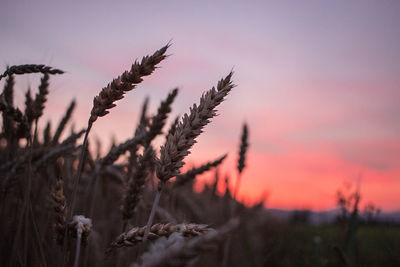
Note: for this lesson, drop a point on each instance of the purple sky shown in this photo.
(318, 82)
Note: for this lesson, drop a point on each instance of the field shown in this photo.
(64, 203)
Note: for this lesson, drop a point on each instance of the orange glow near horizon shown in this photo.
(293, 188)
(306, 179)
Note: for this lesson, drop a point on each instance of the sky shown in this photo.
(317, 83)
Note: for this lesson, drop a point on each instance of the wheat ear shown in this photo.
(192, 173)
(136, 234)
(63, 122)
(175, 251)
(136, 184)
(158, 121)
(127, 81)
(117, 151)
(242, 157)
(11, 111)
(8, 94)
(60, 212)
(30, 68)
(144, 120)
(172, 128)
(177, 146)
(8, 90)
(41, 97)
(29, 112)
(47, 134)
(243, 148)
(141, 128)
(214, 186)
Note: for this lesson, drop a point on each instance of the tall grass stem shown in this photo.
(153, 211)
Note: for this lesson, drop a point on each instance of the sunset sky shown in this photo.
(318, 83)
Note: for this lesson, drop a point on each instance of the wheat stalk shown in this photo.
(111, 93)
(177, 146)
(241, 164)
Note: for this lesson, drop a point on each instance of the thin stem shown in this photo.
(153, 183)
(80, 168)
(38, 237)
(75, 189)
(90, 189)
(91, 197)
(239, 178)
(226, 251)
(342, 255)
(78, 249)
(19, 228)
(235, 192)
(153, 211)
(93, 194)
(28, 196)
(124, 225)
(233, 213)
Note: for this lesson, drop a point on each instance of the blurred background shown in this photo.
(317, 83)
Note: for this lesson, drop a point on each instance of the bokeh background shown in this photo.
(317, 82)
